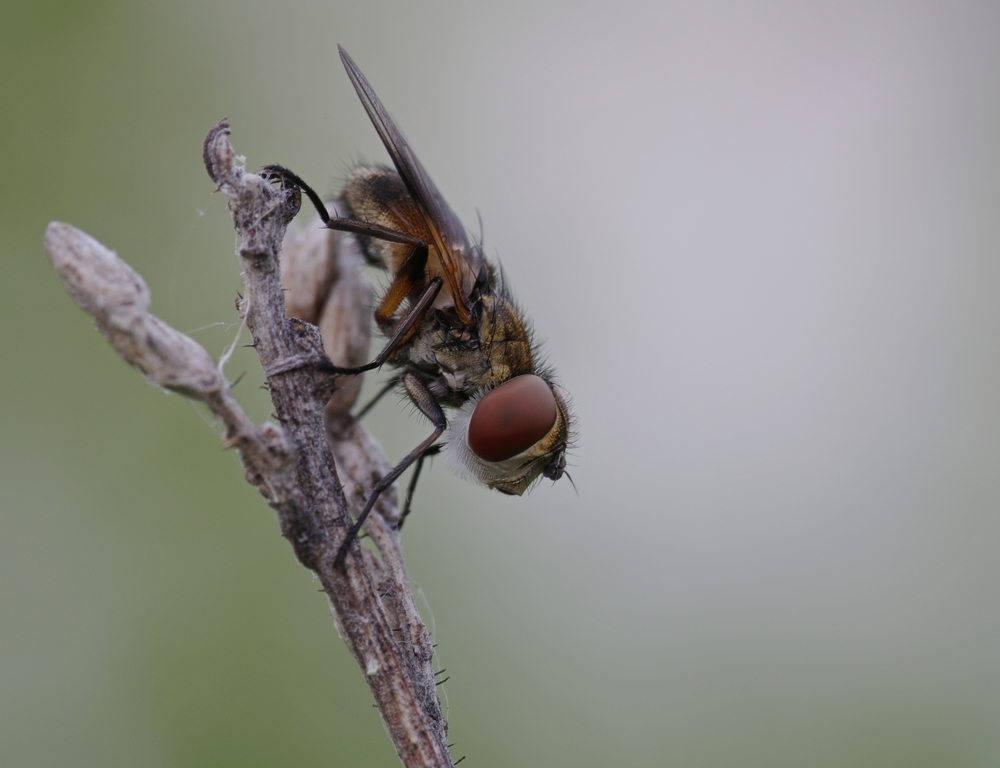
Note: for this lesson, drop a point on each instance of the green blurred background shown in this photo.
(762, 243)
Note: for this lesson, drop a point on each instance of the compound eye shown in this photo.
(512, 418)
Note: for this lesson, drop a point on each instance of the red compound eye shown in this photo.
(512, 418)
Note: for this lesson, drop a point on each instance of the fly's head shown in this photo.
(509, 436)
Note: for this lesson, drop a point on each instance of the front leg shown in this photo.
(421, 397)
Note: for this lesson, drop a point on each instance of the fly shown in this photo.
(452, 329)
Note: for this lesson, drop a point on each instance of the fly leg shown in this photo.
(407, 279)
(434, 450)
(405, 328)
(289, 178)
(425, 402)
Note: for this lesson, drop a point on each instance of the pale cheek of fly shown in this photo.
(512, 418)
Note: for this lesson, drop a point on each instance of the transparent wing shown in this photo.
(459, 262)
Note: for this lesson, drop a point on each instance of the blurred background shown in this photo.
(760, 242)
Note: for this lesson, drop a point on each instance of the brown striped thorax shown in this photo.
(453, 331)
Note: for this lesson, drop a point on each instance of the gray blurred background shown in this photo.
(761, 244)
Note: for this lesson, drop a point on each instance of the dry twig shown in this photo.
(295, 465)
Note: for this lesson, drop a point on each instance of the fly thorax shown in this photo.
(504, 340)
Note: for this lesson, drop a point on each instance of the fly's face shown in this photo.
(452, 329)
